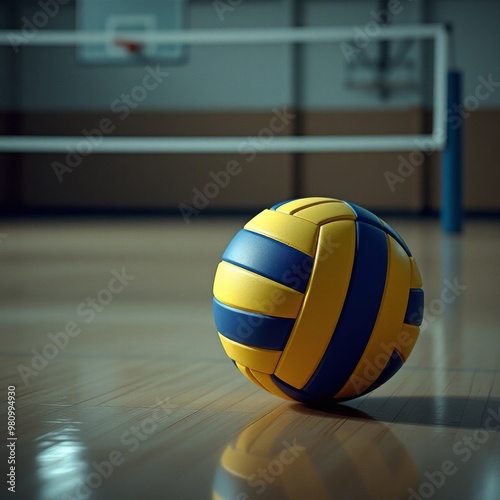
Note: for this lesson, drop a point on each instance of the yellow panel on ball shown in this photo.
(262, 360)
(240, 288)
(248, 374)
(266, 381)
(416, 279)
(326, 212)
(297, 233)
(406, 340)
(295, 205)
(322, 304)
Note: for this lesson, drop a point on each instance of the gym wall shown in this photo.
(233, 91)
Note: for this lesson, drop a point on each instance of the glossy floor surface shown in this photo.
(123, 391)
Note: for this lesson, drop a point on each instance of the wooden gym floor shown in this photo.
(123, 391)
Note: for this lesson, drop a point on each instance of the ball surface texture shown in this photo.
(317, 300)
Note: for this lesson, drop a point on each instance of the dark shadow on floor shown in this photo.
(447, 411)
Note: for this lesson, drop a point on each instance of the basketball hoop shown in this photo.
(129, 45)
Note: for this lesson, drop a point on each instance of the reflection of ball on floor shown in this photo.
(276, 457)
(318, 300)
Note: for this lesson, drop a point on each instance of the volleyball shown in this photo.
(318, 300)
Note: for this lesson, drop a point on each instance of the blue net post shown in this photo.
(451, 168)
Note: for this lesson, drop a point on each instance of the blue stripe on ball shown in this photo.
(393, 365)
(269, 258)
(359, 314)
(398, 238)
(364, 215)
(252, 329)
(300, 395)
(415, 310)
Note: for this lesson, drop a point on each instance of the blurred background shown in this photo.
(330, 89)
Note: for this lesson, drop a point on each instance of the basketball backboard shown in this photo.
(118, 16)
